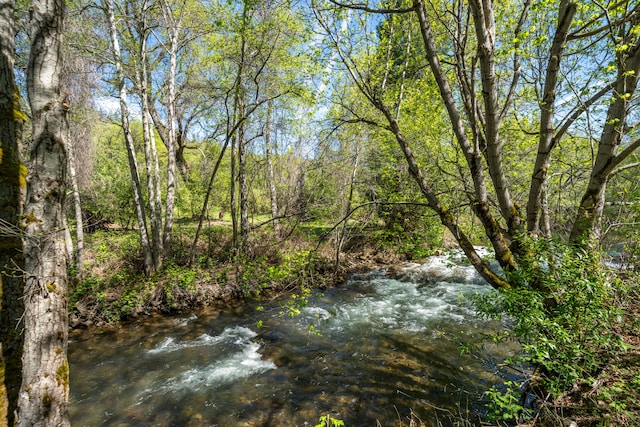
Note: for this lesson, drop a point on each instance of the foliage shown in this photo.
(410, 231)
(286, 270)
(504, 402)
(329, 421)
(110, 194)
(561, 313)
(177, 279)
(116, 288)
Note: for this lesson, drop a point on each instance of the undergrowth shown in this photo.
(114, 286)
(563, 314)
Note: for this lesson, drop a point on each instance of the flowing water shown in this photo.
(381, 349)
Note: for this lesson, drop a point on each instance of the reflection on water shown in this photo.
(386, 347)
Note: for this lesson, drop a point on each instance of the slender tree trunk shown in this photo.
(238, 114)
(44, 393)
(347, 208)
(68, 240)
(176, 26)
(233, 203)
(150, 151)
(77, 254)
(544, 208)
(153, 187)
(158, 235)
(126, 128)
(273, 194)
(567, 11)
(205, 205)
(242, 187)
(12, 188)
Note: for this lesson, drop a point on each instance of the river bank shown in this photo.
(114, 288)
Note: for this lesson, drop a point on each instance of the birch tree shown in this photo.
(174, 24)
(142, 39)
(44, 394)
(143, 28)
(108, 9)
(271, 180)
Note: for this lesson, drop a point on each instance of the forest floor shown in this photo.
(114, 289)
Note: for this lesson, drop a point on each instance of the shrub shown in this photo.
(561, 312)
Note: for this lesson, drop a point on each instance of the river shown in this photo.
(382, 350)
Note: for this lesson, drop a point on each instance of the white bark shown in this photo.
(126, 128)
(273, 193)
(77, 208)
(44, 394)
(150, 149)
(175, 26)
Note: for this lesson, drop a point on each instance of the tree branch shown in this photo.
(366, 8)
(577, 35)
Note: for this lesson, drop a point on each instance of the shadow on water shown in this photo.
(393, 380)
(387, 348)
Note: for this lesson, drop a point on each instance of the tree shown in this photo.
(271, 181)
(141, 27)
(149, 262)
(44, 393)
(175, 25)
(477, 71)
(143, 37)
(12, 187)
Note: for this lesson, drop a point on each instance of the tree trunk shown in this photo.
(347, 208)
(544, 208)
(233, 203)
(205, 205)
(126, 128)
(242, 186)
(150, 150)
(273, 194)
(484, 24)
(176, 26)
(547, 109)
(12, 187)
(44, 393)
(153, 189)
(238, 114)
(77, 254)
(607, 158)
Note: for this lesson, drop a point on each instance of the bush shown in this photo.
(561, 312)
